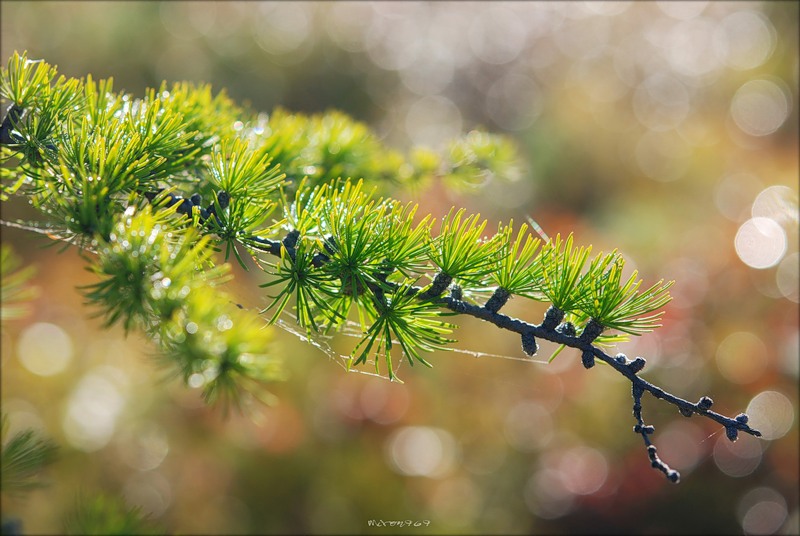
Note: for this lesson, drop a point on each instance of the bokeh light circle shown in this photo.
(771, 413)
(776, 202)
(760, 107)
(421, 451)
(762, 511)
(745, 39)
(682, 10)
(93, 408)
(662, 156)
(760, 243)
(514, 101)
(738, 458)
(432, 120)
(546, 496)
(734, 195)
(496, 35)
(583, 470)
(681, 442)
(45, 349)
(787, 277)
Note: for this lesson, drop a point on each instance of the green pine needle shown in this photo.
(519, 269)
(16, 293)
(460, 250)
(561, 268)
(404, 320)
(312, 288)
(23, 457)
(24, 80)
(617, 305)
(106, 515)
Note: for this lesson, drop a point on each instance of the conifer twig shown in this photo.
(551, 329)
(92, 160)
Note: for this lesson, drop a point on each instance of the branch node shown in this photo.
(224, 199)
(440, 282)
(637, 364)
(644, 429)
(529, 345)
(732, 433)
(621, 359)
(456, 292)
(587, 358)
(552, 317)
(7, 133)
(686, 412)
(592, 330)
(567, 328)
(705, 403)
(742, 418)
(329, 243)
(290, 240)
(497, 300)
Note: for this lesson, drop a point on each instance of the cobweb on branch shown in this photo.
(287, 322)
(53, 231)
(323, 343)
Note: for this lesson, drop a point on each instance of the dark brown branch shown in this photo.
(552, 329)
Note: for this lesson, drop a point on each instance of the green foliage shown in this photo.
(108, 516)
(296, 276)
(480, 156)
(412, 323)
(460, 250)
(406, 242)
(145, 274)
(26, 80)
(618, 305)
(518, 268)
(561, 267)
(23, 457)
(15, 292)
(126, 177)
(350, 221)
(160, 277)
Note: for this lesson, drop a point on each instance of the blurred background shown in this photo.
(668, 130)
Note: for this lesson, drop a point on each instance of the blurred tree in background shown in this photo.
(668, 129)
